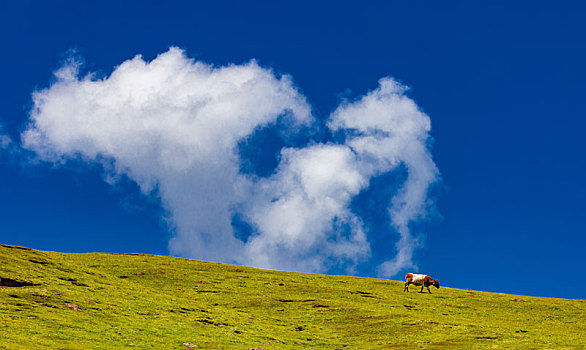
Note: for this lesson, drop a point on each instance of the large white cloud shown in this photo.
(171, 123)
(174, 124)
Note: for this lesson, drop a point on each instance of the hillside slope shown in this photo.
(97, 300)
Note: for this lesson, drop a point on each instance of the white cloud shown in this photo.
(388, 130)
(5, 141)
(171, 123)
(174, 124)
(301, 210)
(8, 148)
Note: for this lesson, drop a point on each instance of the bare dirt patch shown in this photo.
(73, 306)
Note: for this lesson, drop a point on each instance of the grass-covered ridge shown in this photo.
(81, 301)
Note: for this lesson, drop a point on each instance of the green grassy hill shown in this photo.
(108, 301)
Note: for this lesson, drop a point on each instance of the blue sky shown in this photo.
(501, 82)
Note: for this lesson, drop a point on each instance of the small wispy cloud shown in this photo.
(8, 148)
(5, 141)
(174, 125)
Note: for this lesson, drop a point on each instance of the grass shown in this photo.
(134, 301)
